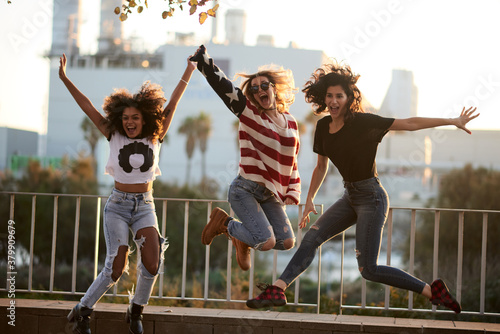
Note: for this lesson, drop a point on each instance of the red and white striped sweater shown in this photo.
(268, 153)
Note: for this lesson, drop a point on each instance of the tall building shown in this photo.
(98, 74)
(110, 33)
(402, 95)
(236, 26)
(66, 28)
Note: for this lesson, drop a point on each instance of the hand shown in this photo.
(191, 64)
(198, 55)
(308, 208)
(62, 66)
(289, 201)
(465, 117)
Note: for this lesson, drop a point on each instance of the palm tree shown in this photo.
(204, 130)
(236, 128)
(92, 135)
(188, 128)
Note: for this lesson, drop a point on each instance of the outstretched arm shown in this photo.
(232, 96)
(82, 101)
(176, 96)
(418, 123)
(317, 178)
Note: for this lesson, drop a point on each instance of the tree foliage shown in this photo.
(468, 189)
(130, 5)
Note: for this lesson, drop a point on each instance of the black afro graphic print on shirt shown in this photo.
(136, 155)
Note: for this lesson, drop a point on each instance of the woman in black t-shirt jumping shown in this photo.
(349, 138)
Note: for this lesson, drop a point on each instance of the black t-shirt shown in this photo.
(353, 148)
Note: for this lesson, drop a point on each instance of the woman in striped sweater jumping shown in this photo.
(268, 178)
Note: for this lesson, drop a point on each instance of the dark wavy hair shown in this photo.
(149, 101)
(333, 74)
(281, 78)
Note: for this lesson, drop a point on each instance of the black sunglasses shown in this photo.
(264, 86)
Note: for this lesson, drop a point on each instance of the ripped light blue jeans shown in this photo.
(261, 215)
(124, 212)
(366, 204)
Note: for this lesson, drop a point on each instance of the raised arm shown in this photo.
(418, 123)
(317, 178)
(176, 96)
(232, 96)
(83, 102)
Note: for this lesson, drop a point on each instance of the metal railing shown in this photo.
(9, 198)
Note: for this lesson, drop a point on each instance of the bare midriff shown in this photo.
(134, 188)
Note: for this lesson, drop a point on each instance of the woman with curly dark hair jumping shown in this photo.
(349, 138)
(135, 126)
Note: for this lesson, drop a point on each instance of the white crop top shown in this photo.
(132, 160)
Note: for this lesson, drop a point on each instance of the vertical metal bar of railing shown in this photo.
(163, 232)
(318, 299)
(97, 230)
(435, 255)
(387, 296)
(229, 261)
(32, 242)
(252, 274)
(75, 244)
(482, 294)
(275, 265)
(413, 229)
(207, 259)
(229, 270)
(298, 242)
(342, 274)
(363, 293)
(54, 239)
(297, 281)
(460, 254)
(184, 249)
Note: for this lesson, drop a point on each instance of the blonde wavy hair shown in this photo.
(281, 78)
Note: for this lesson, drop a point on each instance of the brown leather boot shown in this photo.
(242, 254)
(215, 226)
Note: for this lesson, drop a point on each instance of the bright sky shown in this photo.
(450, 45)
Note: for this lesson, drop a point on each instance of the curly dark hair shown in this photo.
(149, 101)
(280, 77)
(333, 74)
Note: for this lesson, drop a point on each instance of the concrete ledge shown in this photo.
(49, 317)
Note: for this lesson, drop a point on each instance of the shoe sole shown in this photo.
(256, 304)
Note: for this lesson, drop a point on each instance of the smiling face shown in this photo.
(336, 102)
(132, 122)
(266, 98)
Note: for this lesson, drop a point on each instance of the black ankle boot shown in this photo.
(134, 317)
(80, 317)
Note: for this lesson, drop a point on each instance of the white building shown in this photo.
(97, 75)
(411, 161)
(402, 95)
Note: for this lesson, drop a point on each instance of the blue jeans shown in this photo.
(366, 204)
(261, 215)
(124, 212)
